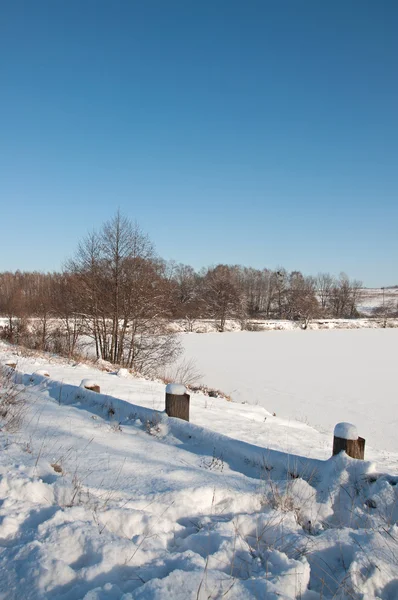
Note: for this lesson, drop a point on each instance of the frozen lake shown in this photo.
(322, 377)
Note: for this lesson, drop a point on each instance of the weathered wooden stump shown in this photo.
(89, 384)
(94, 388)
(346, 439)
(177, 401)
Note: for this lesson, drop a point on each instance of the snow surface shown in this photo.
(123, 373)
(176, 388)
(346, 431)
(320, 377)
(42, 373)
(103, 497)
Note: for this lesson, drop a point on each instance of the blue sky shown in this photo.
(261, 133)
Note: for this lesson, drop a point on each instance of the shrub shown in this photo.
(12, 401)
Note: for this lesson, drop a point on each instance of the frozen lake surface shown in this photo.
(322, 377)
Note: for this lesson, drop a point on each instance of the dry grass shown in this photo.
(211, 392)
(184, 372)
(12, 401)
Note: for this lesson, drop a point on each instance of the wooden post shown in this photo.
(177, 401)
(87, 384)
(346, 439)
(93, 388)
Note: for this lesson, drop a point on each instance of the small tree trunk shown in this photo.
(354, 448)
(178, 406)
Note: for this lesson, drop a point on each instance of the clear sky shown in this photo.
(256, 132)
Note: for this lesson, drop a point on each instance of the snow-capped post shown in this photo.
(177, 401)
(89, 384)
(346, 438)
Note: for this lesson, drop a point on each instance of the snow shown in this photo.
(103, 497)
(373, 297)
(123, 373)
(42, 373)
(319, 377)
(176, 388)
(258, 325)
(346, 431)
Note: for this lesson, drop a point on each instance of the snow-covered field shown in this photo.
(320, 377)
(373, 297)
(103, 497)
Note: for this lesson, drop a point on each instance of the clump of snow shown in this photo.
(176, 389)
(346, 431)
(37, 376)
(42, 373)
(123, 373)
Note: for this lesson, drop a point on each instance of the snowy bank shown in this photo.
(103, 498)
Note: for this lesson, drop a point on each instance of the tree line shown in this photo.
(119, 295)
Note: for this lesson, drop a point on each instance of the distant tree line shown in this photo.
(117, 294)
(243, 293)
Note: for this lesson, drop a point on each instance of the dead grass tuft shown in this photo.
(12, 401)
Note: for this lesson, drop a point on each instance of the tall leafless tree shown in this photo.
(125, 295)
(222, 295)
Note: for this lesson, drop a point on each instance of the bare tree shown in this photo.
(324, 285)
(67, 308)
(89, 277)
(12, 304)
(41, 307)
(302, 303)
(344, 297)
(387, 310)
(187, 299)
(223, 296)
(281, 284)
(125, 295)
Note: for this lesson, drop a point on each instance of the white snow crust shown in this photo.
(103, 497)
(175, 388)
(123, 373)
(346, 431)
(42, 373)
(319, 377)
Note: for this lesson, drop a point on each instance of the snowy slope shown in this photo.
(104, 497)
